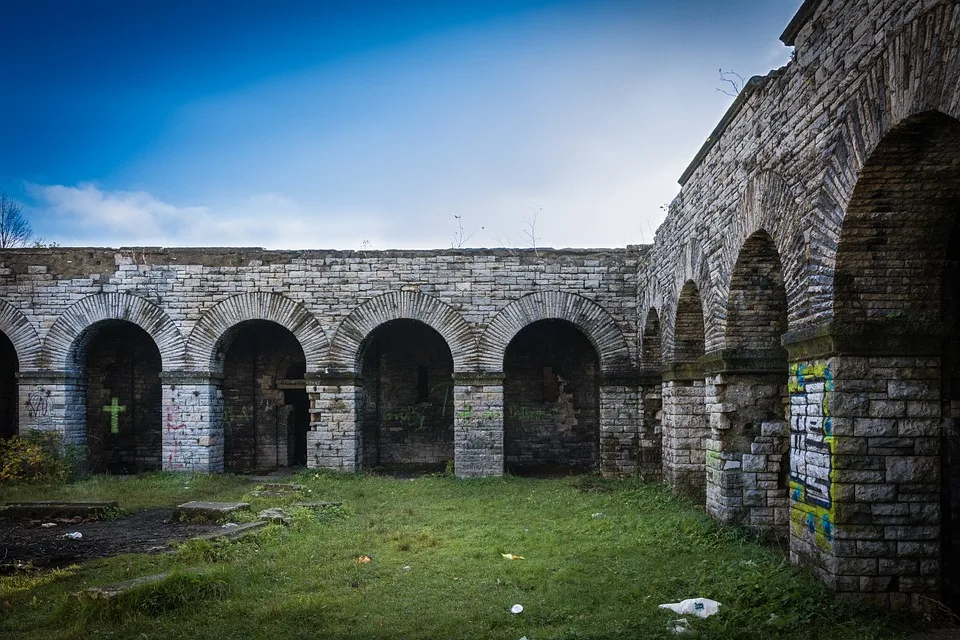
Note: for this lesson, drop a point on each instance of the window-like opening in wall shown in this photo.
(423, 384)
(551, 391)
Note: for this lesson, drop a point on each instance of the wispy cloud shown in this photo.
(88, 214)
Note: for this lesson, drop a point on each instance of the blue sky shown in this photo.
(365, 124)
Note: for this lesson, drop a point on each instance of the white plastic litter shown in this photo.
(48, 525)
(517, 608)
(677, 627)
(702, 607)
(73, 535)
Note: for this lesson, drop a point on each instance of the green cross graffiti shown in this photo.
(114, 409)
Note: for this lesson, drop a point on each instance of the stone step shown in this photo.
(200, 511)
(54, 509)
(111, 591)
(233, 533)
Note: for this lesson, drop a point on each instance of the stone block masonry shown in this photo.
(810, 253)
(226, 393)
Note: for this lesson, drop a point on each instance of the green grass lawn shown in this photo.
(599, 556)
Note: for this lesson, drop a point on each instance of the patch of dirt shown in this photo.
(26, 542)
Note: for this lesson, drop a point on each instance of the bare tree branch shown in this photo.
(459, 236)
(15, 231)
(734, 79)
(530, 233)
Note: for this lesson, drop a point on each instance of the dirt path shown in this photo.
(27, 542)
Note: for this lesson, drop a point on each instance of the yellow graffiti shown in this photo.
(805, 513)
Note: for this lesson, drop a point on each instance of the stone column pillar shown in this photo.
(620, 412)
(334, 439)
(747, 450)
(865, 465)
(650, 437)
(684, 430)
(53, 401)
(478, 424)
(192, 421)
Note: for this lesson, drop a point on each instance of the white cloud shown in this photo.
(89, 215)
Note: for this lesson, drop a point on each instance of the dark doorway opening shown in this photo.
(122, 365)
(406, 402)
(266, 411)
(9, 394)
(551, 398)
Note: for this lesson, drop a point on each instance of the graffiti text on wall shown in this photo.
(811, 447)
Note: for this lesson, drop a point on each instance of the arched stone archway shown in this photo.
(345, 348)
(405, 399)
(266, 415)
(748, 459)
(873, 393)
(72, 324)
(209, 332)
(551, 400)
(590, 318)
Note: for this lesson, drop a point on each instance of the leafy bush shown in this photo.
(37, 456)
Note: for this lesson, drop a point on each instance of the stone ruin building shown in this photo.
(786, 351)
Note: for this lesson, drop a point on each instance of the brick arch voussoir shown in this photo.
(403, 305)
(769, 205)
(907, 78)
(17, 328)
(594, 321)
(693, 267)
(83, 314)
(213, 326)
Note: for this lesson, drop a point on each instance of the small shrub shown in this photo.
(37, 456)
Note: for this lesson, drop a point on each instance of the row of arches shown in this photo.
(822, 432)
(405, 405)
(202, 349)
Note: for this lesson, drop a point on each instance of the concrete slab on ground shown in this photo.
(233, 533)
(201, 511)
(54, 509)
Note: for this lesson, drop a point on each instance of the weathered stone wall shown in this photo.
(191, 301)
(838, 176)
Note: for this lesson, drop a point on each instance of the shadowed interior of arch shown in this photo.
(119, 396)
(266, 411)
(551, 400)
(898, 282)
(9, 366)
(685, 428)
(651, 360)
(405, 403)
(755, 392)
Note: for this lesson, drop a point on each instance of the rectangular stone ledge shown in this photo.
(871, 339)
(190, 378)
(478, 379)
(49, 376)
(331, 378)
